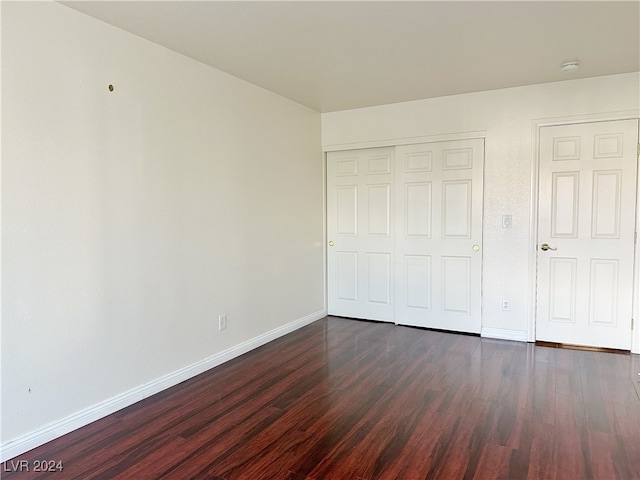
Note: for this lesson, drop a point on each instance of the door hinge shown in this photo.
(639, 149)
(632, 324)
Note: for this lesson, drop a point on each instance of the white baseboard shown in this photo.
(53, 430)
(504, 334)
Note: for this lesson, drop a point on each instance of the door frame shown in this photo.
(537, 124)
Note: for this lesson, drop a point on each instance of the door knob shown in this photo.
(546, 246)
(476, 248)
(331, 243)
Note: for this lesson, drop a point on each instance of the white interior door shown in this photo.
(586, 216)
(359, 210)
(439, 234)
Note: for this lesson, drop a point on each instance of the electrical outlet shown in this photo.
(506, 306)
(222, 322)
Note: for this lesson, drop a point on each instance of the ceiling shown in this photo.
(340, 55)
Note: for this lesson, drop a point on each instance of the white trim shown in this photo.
(394, 142)
(536, 125)
(533, 229)
(596, 117)
(504, 334)
(635, 334)
(53, 430)
(325, 235)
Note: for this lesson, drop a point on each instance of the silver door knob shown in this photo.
(546, 246)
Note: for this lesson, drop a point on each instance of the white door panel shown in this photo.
(586, 214)
(418, 281)
(438, 221)
(359, 223)
(402, 226)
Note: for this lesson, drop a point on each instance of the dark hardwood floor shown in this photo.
(345, 399)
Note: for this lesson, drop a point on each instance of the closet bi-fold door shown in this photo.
(438, 235)
(359, 233)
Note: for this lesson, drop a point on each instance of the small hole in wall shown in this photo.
(110, 88)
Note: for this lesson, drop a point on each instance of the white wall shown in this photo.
(131, 219)
(507, 118)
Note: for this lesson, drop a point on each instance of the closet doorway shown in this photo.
(404, 231)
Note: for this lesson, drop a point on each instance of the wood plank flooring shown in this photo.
(346, 399)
